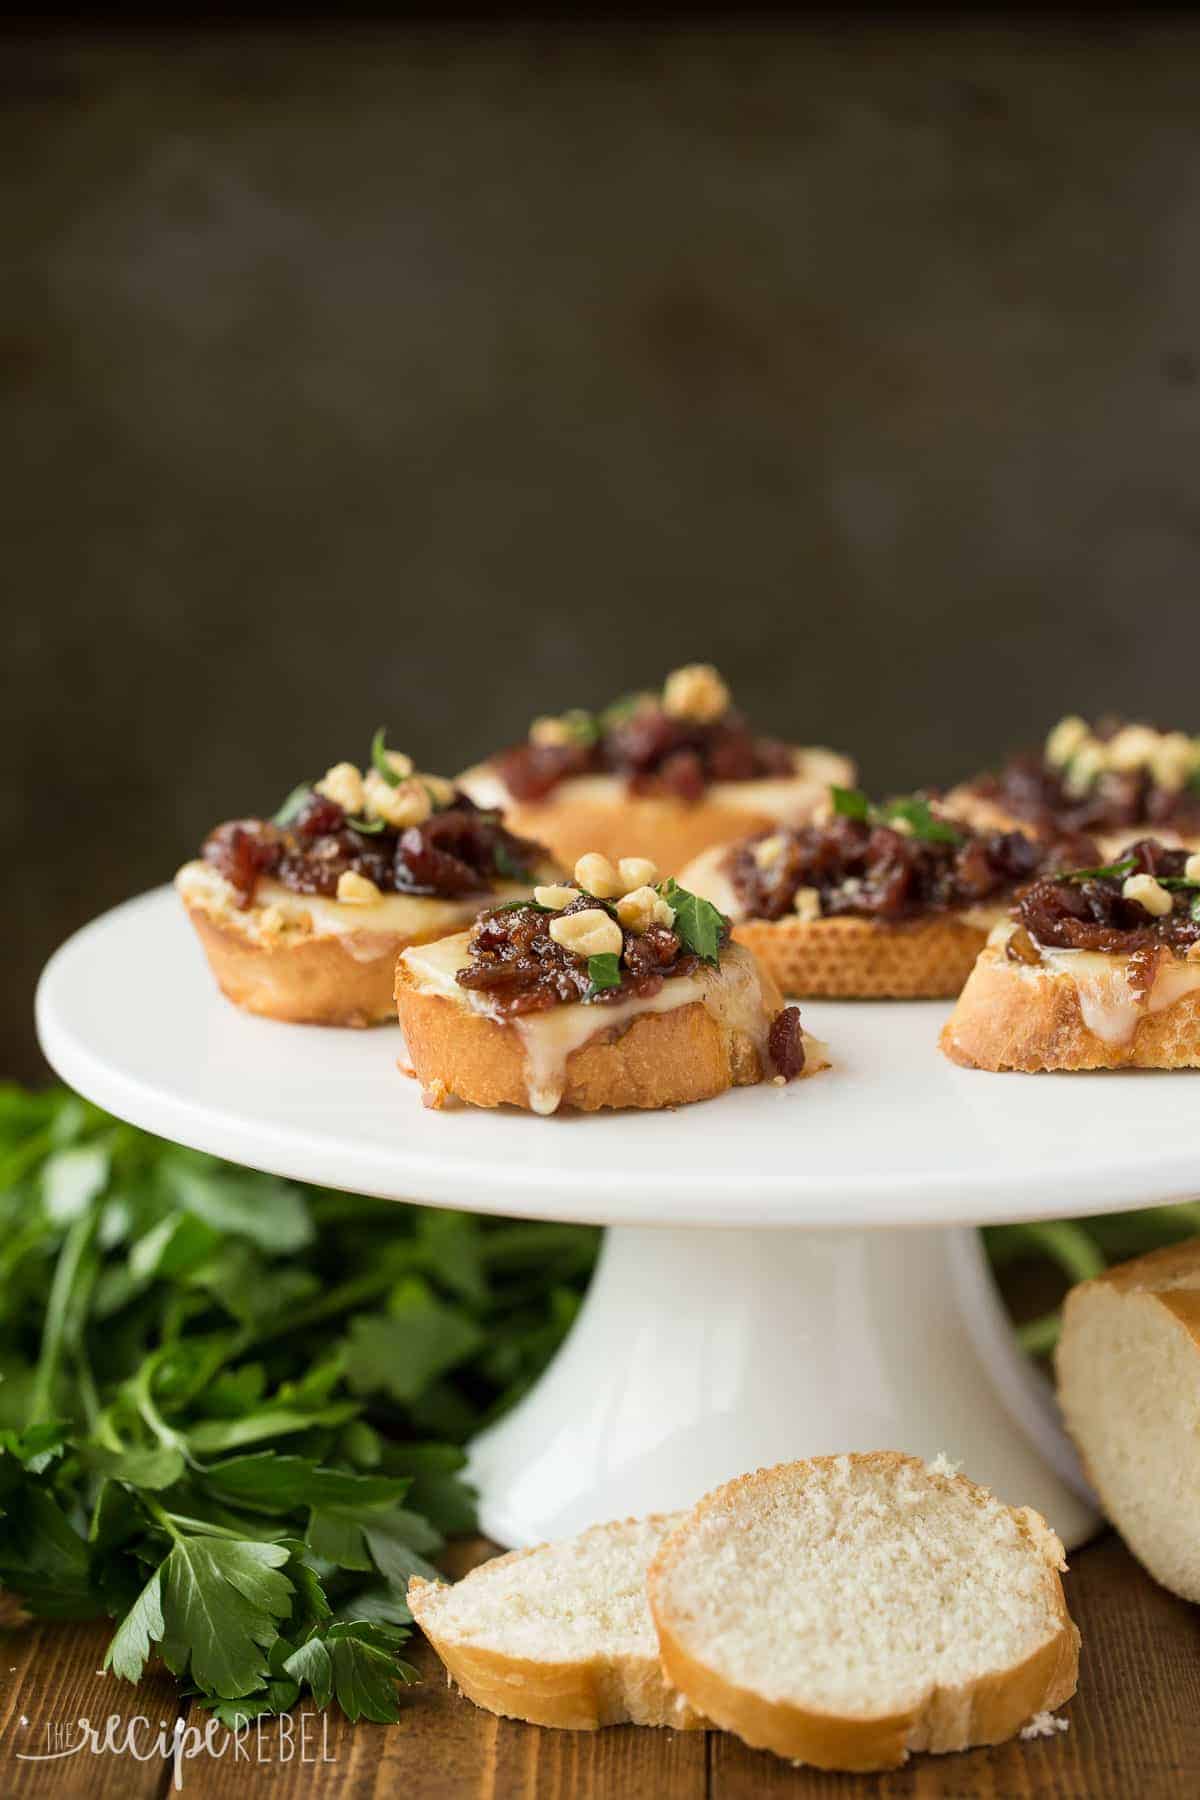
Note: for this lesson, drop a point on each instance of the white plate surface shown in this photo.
(891, 1135)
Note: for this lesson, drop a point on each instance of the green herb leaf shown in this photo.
(142, 1625)
(365, 1673)
(311, 1665)
(506, 866)
(698, 924)
(379, 758)
(270, 1480)
(367, 827)
(604, 971)
(293, 806)
(507, 906)
(221, 1603)
(1195, 909)
(1114, 871)
(925, 826)
(850, 803)
(402, 1353)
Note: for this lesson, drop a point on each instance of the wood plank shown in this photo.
(49, 1681)
(444, 1748)
(1134, 1730)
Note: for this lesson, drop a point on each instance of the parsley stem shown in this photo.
(160, 1515)
(69, 1288)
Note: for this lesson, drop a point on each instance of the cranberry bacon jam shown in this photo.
(611, 990)
(662, 775)
(302, 916)
(1111, 780)
(883, 902)
(1096, 969)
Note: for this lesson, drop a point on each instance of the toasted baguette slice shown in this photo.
(700, 1035)
(850, 1609)
(1128, 1367)
(1074, 1010)
(558, 1635)
(598, 812)
(850, 959)
(862, 959)
(315, 961)
(972, 808)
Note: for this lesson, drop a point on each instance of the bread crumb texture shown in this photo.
(856, 1585)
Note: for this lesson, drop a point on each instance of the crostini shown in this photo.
(660, 775)
(611, 990)
(1113, 780)
(1097, 969)
(302, 916)
(872, 902)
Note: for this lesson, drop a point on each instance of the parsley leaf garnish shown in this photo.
(368, 827)
(604, 971)
(924, 824)
(379, 758)
(850, 803)
(1114, 871)
(698, 924)
(293, 805)
(506, 866)
(912, 810)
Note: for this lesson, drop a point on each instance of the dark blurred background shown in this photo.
(442, 375)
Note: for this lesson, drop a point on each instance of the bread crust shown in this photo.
(986, 1711)
(1168, 1280)
(660, 1059)
(302, 978)
(865, 959)
(1012, 1018)
(578, 1694)
(601, 814)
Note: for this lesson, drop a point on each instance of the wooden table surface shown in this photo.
(1134, 1731)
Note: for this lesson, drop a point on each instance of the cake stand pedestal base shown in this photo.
(702, 1353)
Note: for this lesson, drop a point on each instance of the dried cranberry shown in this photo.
(242, 850)
(785, 1042)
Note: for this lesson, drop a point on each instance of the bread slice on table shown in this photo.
(558, 1635)
(847, 1610)
(1074, 1010)
(1128, 1367)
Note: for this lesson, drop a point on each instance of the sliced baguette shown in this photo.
(310, 960)
(861, 959)
(558, 1635)
(599, 813)
(847, 958)
(1074, 1015)
(700, 1036)
(847, 1610)
(1128, 1367)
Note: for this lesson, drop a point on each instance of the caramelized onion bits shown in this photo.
(460, 849)
(1093, 911)
(867, 869)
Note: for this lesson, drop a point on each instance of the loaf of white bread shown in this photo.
(1128, 1367)
(842, 1611)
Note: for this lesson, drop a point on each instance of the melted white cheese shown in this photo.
(732, 993)
(781, 797)
(1109, 1006)
(366, 932)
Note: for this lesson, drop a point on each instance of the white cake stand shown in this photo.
(787, 1270)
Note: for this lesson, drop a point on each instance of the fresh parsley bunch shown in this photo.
(231, 1406)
